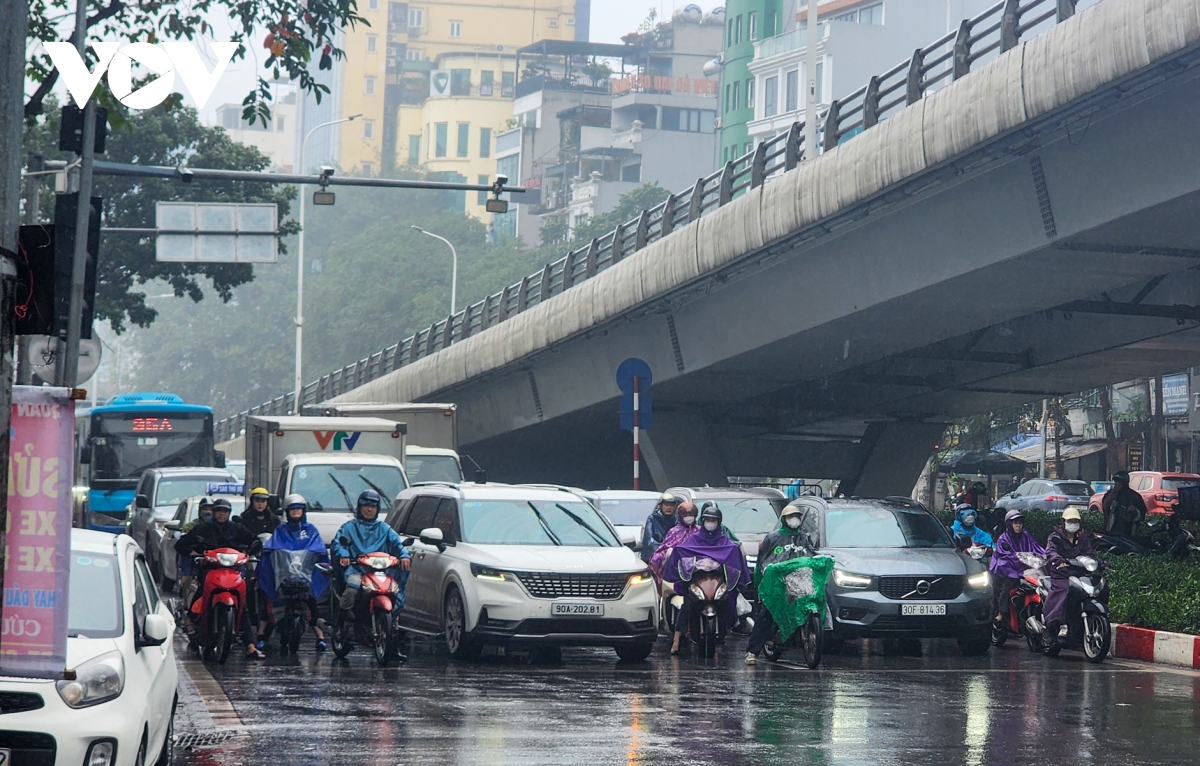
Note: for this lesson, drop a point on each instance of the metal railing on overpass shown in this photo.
(948, 58)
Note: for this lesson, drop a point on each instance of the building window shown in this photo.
(507, 80)
(632, 173)
(752, 25)
(372, 5)
(729, 32)
(372, 43)
(770, 94)
(416, 18)
(368, 128)
(368, 169)
(737, 30)
(727, 101)
(820, 81)
(790, 90)
(737, 95)
(749, 147)
(688, 120)
(441, 131)
(570, 21)
(750, 93)
(414, 150)
(412, 54)
(464, 138)
(485, 142)
(456, 29)
(486, 83)
(280, 121)
(369, 86)
(872, 14)
(552, 23)
(460, 82)
(481, 196)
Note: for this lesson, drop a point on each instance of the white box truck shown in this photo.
(432, 435)
(329, 461)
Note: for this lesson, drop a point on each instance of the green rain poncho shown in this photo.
(794, 589)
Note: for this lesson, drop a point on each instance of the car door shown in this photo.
(135, 520)
(167, 557)
(441, 562)
(146, 666)
(418, 595)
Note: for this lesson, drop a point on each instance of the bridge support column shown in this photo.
(891, 459)
(680, 452)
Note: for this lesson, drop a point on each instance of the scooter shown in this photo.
(293, 577)
(710, 606)
(1088, 625)
(375, 611)
(1024, 607)
(222, 601)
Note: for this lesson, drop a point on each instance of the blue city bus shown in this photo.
(119, 440)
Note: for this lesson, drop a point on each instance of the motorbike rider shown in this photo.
(788, 542)
(365, 533)
(964, 524)
(1007, 568)
(709, 542)
(1123, 507)
(258, 518)
(295, 534)
(658, 523)
(972, 495)
(1069, 541)
(685, 528)
(219, 532)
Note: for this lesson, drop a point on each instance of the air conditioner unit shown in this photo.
(553, 22)
(720, 56)
(717, 123)
(501, 48)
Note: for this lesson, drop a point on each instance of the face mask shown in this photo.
(968, 521)
(793, 522)
(688, 520)
(711, 526)
(1072, 526)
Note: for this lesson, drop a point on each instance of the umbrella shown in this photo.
(983, 462)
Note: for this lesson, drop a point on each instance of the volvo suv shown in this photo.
(519, 565)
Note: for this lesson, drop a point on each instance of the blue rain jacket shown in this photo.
(292, 536)
(974, 532)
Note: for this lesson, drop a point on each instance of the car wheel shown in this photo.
(635, 652)
(167, 754)
(140, 758)
(459, 641)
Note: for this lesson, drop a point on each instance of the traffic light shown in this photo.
(65, 206)
(70, 129)
(34, 295)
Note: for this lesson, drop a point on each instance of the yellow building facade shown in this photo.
(423, 69)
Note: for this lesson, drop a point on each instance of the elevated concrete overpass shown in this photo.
(1029, 229)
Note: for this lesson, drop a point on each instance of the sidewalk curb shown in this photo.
(1157, 646)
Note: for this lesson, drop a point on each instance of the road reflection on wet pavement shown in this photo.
(860, 707)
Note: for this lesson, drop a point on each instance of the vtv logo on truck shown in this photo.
(341, 440)
(165, 60)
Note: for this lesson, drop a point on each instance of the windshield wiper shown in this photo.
(603, 543)
(375, 487)
(545, 526)
(345, 494)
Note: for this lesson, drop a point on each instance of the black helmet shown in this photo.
(1122, 476)
(222, 504)
(979, 486)
(711, 511)
(368, 497)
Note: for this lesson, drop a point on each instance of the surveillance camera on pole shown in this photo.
(324, 197)
(495, 204)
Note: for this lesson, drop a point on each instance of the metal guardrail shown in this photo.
(995, 30)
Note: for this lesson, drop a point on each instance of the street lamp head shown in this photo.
(418, 228)
(353, 117)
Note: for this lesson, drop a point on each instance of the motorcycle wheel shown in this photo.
(384, 641)
(222, 631)
(1032, 640)
(812, 636)
(708, 638)
(341, 642)
(999, 635)
(773, 649)
(1097, 637)
(295, 630)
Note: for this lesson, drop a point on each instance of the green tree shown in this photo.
(166, 135)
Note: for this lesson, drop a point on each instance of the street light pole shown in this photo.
(453, 268)
(810, 74)
(299, 318)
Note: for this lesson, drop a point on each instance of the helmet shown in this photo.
(293, 500)
(790, 510)
(963, 507)
(206, 502)
(963, 511)
(221, 504)
(258, 492)
(1013, 515)
(687, 507)
(710, 511)
(979, 486)
(368, 497)
(1121, 476)
(1071, 514)
(668, 497)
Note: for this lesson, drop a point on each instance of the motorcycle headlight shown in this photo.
(721, 590)
(97, 680)
(980, 580)
(695, 591)
(849, 580)
(227, 559)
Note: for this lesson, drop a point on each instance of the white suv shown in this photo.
(501, 564)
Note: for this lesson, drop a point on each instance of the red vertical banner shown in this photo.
(33, 636)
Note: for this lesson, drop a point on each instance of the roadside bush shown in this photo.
(1155, 592)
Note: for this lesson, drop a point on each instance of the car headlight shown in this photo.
(637, 578)
(980, 580)
(849, 580)
(487, 573)
(97, 680)
(695, 590)
(721, 591)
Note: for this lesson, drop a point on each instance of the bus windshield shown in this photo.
(127, 443)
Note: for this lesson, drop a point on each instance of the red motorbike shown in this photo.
(219, 608)
(1024, 607)
(374, 611)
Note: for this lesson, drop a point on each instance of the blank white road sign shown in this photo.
(217, 232)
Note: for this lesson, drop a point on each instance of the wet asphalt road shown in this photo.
(860, 707)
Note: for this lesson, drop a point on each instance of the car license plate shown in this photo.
(5, 756)
(577, 610)
(923, 610)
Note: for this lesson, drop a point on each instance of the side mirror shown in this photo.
(141, 501)
(273, 503)
(433, 536)
(629, 539)
(408, 541)
(174, 525)
(85, 454)
(155, 630)
(218, 458)
(480, 476)
(962, 542)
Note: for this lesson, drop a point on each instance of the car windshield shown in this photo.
(627, 513)
(94, 606)
(173, 491)
(751, 515)
(537, 522)
(1074, 488)
(433, 468)
(336, 486)
(1175, 484)
(884, 528)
